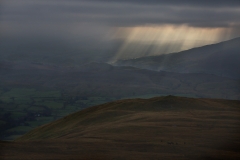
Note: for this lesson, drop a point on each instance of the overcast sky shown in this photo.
(78, 24)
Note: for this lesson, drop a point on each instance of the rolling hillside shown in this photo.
(158, 128)
(221, 59)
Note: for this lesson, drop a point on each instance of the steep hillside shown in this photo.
(220, 59)
(157, 128)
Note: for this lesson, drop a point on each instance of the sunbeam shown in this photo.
(152, 40)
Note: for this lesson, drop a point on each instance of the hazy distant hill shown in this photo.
(106, 80)
(157, 128)
(221, 59)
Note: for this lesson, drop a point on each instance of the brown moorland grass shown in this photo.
(158, 128)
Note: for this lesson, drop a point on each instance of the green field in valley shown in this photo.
(23, 109)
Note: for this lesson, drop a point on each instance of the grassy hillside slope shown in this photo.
(158, 128)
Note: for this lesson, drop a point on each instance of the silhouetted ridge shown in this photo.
(221, 59)
(117, 113)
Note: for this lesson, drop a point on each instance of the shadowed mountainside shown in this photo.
(221, 59)
(165, 127)
(107, 80)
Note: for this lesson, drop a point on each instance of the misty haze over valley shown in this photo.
(122, 79)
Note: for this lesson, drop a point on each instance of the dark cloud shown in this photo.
(81, 23)
(205, 3)
(122, 13)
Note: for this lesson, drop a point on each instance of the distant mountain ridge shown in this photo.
(221, 59)
(107, 80)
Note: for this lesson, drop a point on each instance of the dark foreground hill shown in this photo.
(157, 128)
(221, 59)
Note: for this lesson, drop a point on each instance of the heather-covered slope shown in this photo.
(158, 128)
(125, 113)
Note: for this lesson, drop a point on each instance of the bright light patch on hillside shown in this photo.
(155, 40)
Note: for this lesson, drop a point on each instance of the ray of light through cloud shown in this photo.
(152, 40)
